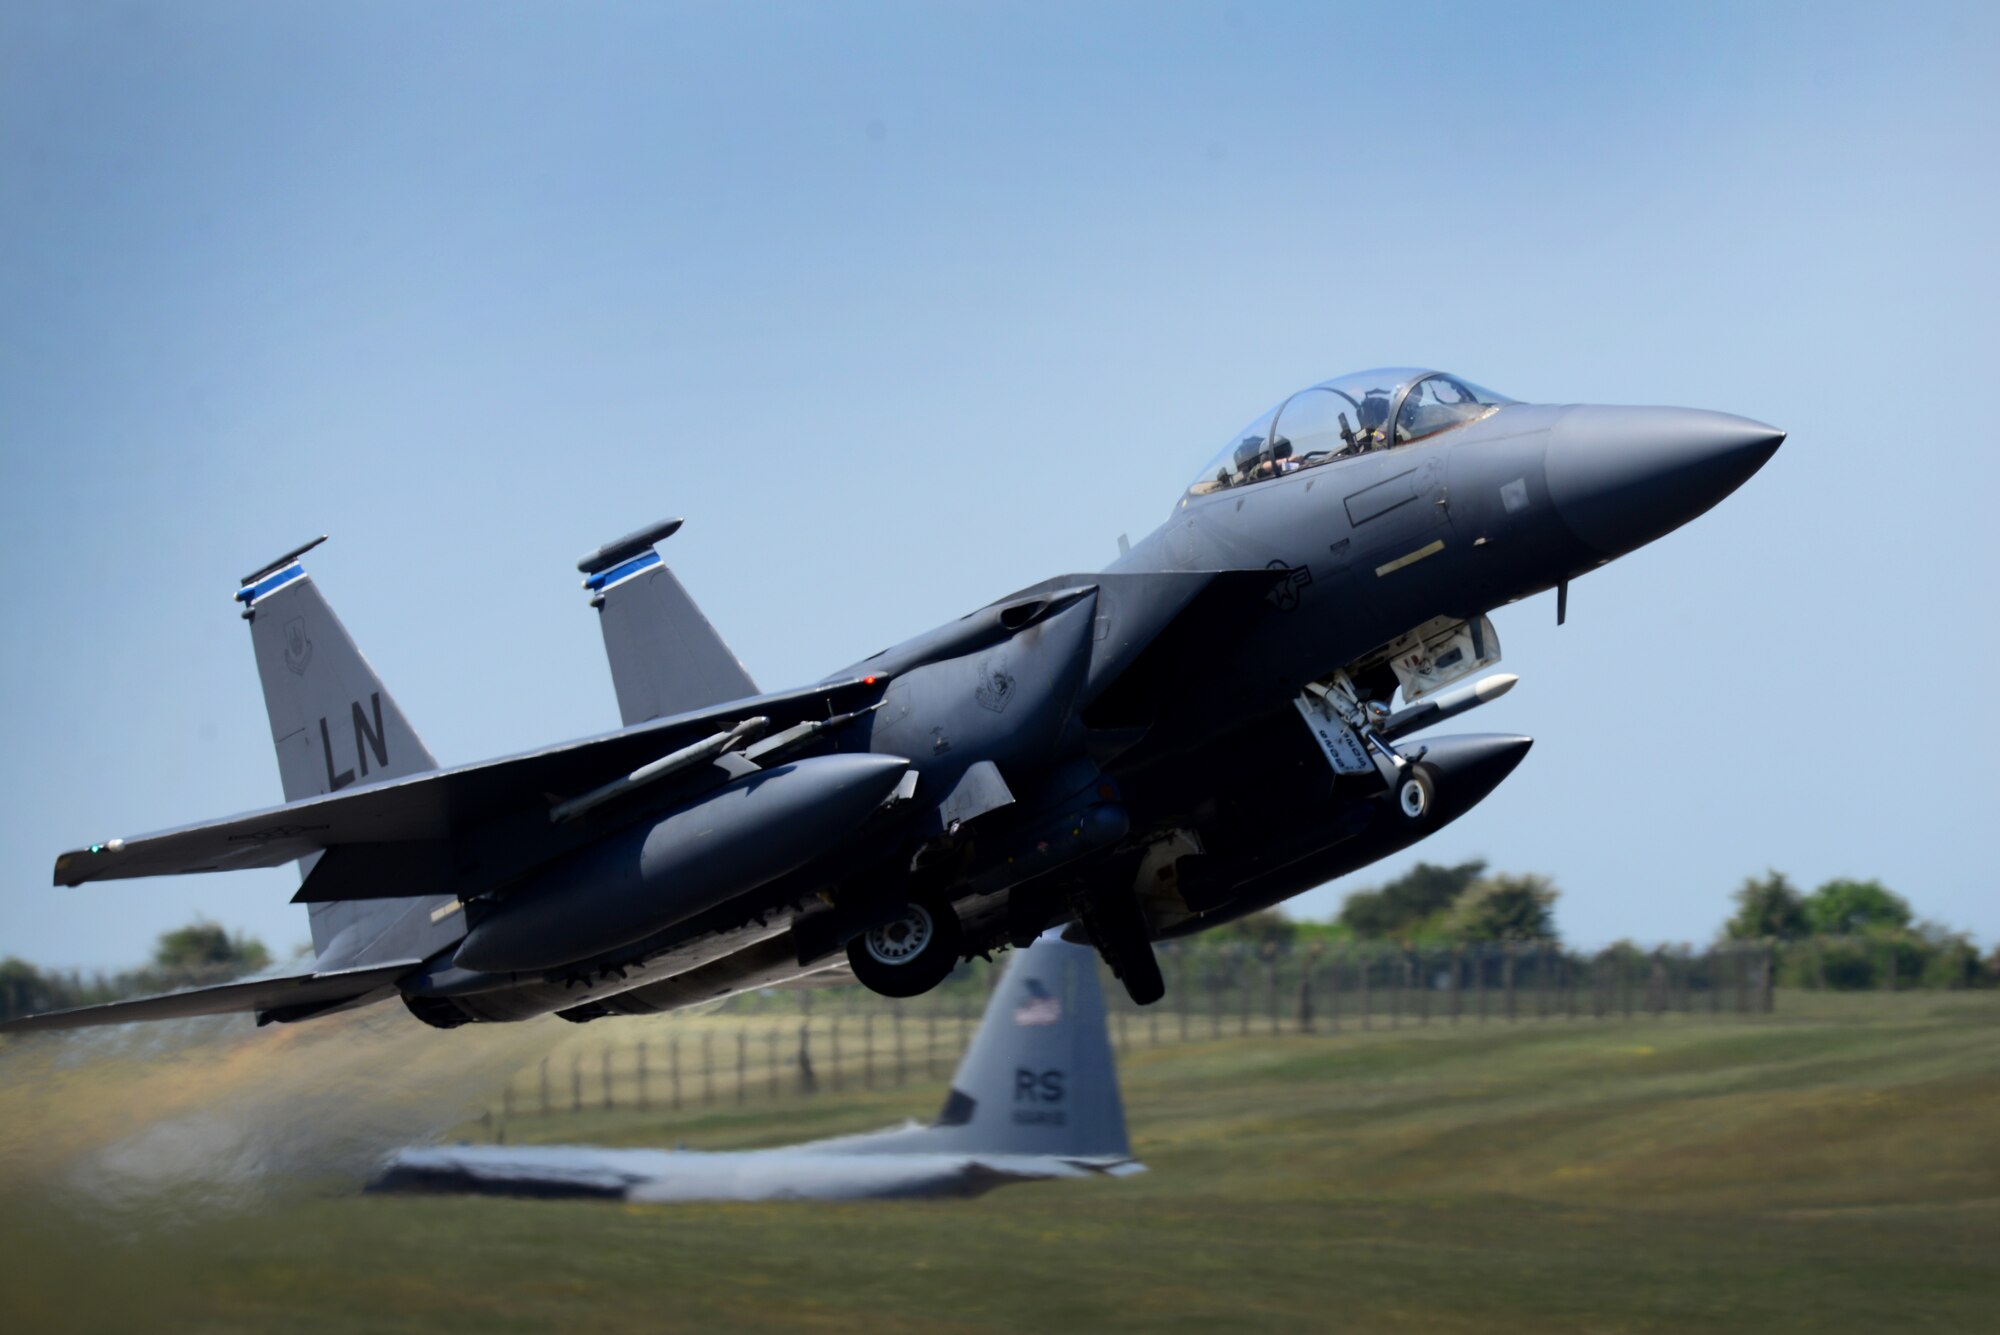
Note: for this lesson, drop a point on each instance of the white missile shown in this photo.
(1448, 704)
(707, 749)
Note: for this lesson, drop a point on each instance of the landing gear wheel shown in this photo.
(1416, 792)
(910, 954)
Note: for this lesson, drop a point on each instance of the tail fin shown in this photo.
(335, 725)
(665, 656)
(1039, 1077)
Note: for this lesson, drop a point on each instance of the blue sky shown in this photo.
(904, 307)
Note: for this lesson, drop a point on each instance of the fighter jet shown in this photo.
(1035, 1097)
(1203, 729)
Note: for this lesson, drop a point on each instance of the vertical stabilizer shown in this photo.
(1039, 1077)
(335, 725)
(665, 656)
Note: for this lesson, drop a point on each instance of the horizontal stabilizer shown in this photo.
(439, 804)
(293, 996)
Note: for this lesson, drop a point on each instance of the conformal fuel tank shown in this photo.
(641, 880)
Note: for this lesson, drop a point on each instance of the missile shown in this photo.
(1449, 704)
(708, 748)
(645, 879)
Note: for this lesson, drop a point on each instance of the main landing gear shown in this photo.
(912, 952)
(1117, 927)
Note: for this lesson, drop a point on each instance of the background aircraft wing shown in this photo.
(438, 804)
(291, 997)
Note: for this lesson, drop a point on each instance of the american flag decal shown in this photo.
(1041, 1007)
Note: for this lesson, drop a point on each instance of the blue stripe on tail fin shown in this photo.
(665, 656)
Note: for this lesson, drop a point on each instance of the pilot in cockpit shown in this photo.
(1278, 460)
(1374, 414)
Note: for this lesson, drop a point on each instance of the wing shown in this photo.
(440, 804)
(289, 998)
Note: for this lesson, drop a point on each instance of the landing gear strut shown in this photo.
(910, 953)
(1117, 927)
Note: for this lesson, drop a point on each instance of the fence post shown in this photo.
(1364, 965)
(1656, 985)
(1333, 981)
(1306, 987)
(742, 1066)
(1214, 1005)
(707, 1068)
(896, 1027)
(1480, 954)
(576, 1082)
(545, 1086)
(642, 1076)
(674, 1071)
(808, 1078)
(771, 1060)
(833, 1052)
(1454, 1002)
(604, 1073)
(1243, 991)
(1423, 979)
(868, 1050)
(1766, 979)
(1181, 989)
(1398, 985)
(1507, 976)
(1271, 985)
(930, 1037)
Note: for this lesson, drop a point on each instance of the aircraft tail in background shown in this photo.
(1039, 1078)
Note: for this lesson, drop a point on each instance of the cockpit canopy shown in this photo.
(1344, 417)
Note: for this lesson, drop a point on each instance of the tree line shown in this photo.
(191, 956)
(1850, 934)
(1846, 935)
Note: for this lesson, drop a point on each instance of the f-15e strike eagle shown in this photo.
(1201, 730)
(1036, 1097)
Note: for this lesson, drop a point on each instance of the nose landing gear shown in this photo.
(1416, 792)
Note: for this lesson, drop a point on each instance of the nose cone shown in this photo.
(1621, 477)
(1470, 766)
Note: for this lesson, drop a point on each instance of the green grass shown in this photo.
(1833, 1167)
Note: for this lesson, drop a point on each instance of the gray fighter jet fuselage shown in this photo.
(1200, 730)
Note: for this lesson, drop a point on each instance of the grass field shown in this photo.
(1835, 1166)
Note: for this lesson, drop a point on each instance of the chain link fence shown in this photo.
(781, 1045)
